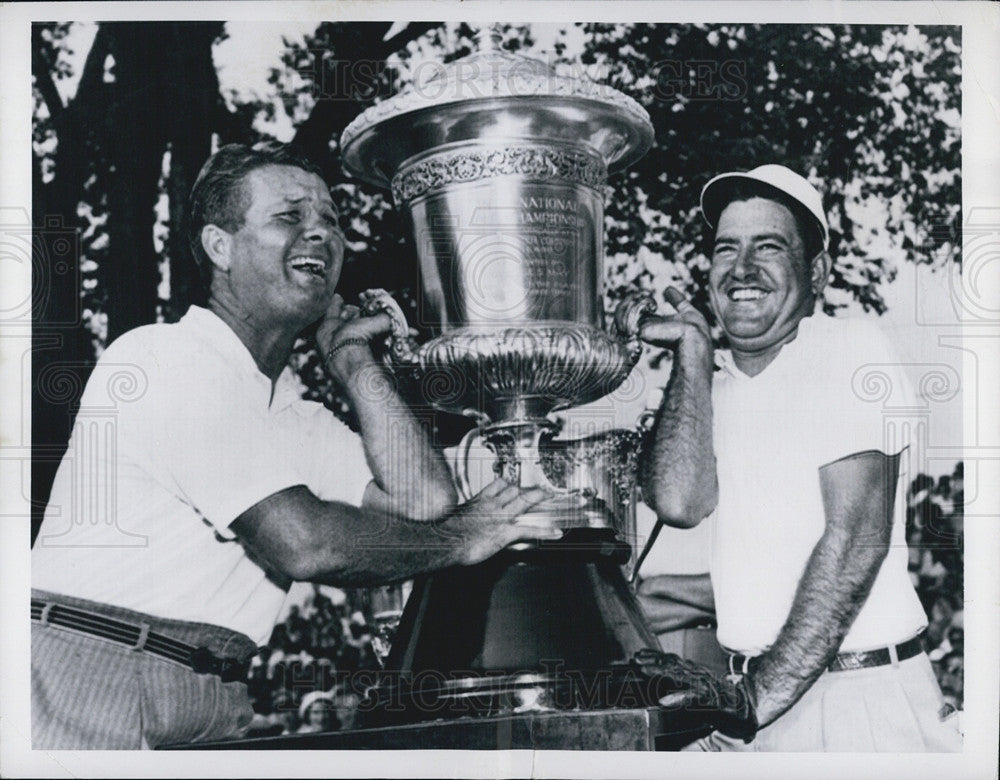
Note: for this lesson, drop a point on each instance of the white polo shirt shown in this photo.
(825, 396)
(178, 435)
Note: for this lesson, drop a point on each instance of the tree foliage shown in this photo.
(870, 114)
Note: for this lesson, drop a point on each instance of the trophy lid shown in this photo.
(494, 96)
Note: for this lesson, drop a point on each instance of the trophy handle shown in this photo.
(462, 464)
(644, 422)
(628, 319)
(377, 301)
(531, 469)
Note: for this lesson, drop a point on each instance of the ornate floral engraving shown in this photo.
(615, 451)
(551, 364)
(537, 162)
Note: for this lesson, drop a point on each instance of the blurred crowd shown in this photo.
(306, 678)
(935, 519)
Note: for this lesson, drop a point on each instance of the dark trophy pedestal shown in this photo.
(528, 650)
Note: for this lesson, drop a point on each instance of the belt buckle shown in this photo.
(202, 660)
(230, 670)
(848, 662)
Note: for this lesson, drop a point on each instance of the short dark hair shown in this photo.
(219, 196)
(806, 225)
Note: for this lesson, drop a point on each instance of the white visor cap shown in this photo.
(777, 176)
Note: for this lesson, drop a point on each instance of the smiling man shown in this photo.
(198, 484)
(800, 476)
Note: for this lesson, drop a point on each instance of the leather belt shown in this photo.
(140, 638)
(844, 662)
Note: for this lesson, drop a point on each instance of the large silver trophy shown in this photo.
(499, 164)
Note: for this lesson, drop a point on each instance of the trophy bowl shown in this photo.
(498, 164)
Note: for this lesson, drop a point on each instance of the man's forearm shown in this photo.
(294, 534)
(372, 548)
(299, 537)
(858, 499)
(678, 475)
(694, 590)
(412, 474)
(836, 582)
(672, 601)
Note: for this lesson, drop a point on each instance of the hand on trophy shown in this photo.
(684, 331)
(343, 337)
(727, 706)
(486, 522)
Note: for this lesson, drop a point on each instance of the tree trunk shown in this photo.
(191, 81)
(131, 273)
(347, 84)
(62, 352)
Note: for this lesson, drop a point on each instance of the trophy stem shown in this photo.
(516, 444)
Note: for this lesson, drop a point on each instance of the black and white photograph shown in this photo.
(500, 390)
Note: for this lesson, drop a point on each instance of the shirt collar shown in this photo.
(807, 327)
(214, 332)
(724, 360)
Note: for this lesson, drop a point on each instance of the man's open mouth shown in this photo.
(746, 294)
(309, 265)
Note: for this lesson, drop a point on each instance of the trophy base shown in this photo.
(549, 628)
(620, 729)
(569, 511)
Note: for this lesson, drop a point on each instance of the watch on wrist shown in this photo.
(354, 341)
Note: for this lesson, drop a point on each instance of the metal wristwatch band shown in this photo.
(354, 341)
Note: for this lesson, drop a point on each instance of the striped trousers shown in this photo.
(89, 693)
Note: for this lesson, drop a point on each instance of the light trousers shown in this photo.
(896, 708)
(92, 693)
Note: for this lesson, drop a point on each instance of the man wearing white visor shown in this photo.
(802, 478)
